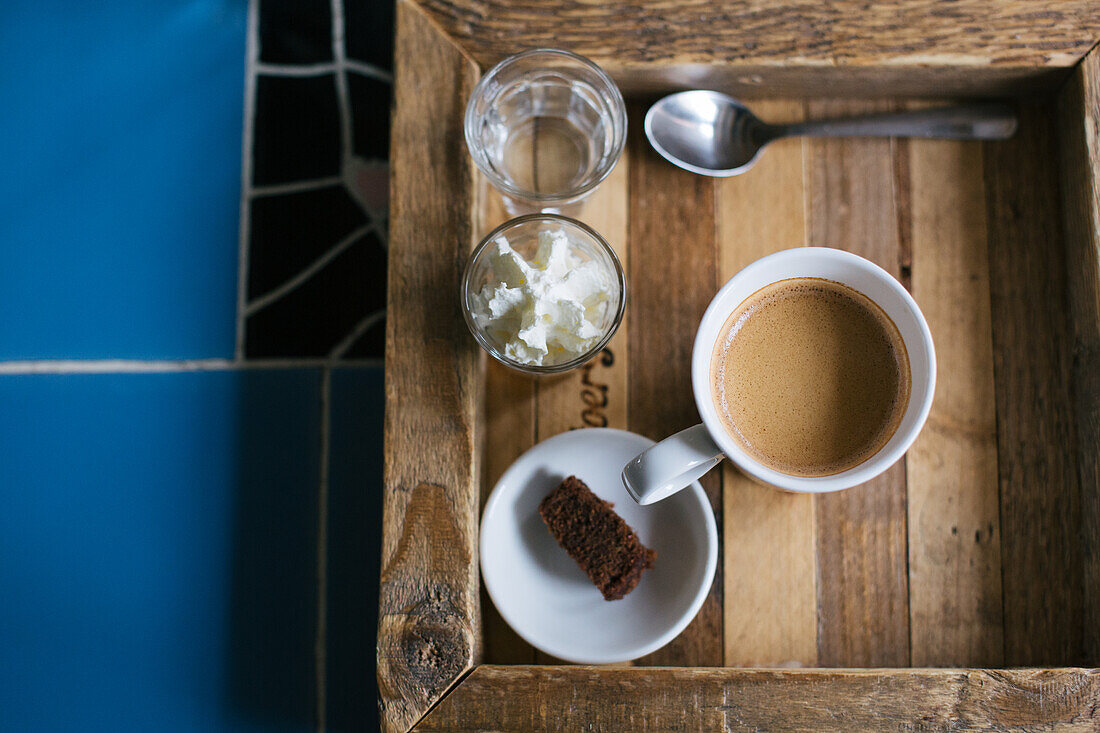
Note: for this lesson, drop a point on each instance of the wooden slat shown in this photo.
(753, 37)
(429, 620)
(509, 431)
(522, 410)
(592, 698)
(509, 419)
(954, 514)
(596, 394)
(672, 277)
(1040, 501)
(1079, 128)
(593, 396)
(863, 611)
(770, 599)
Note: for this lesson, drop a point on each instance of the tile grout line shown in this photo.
(318, 69)
(325, 67)
(135, 366)
(360, 328)
(247, 134)
(303, 275)
(320, 646)
(296, 187)
(340, 63)
(370, 70)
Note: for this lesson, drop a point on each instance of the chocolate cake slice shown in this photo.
(596, 537)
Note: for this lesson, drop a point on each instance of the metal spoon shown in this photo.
(712, 134)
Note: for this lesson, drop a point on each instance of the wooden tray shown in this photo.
(977, 553)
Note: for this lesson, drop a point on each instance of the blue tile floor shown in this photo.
(189, 539)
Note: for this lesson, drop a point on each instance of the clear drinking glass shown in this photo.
(546, 127)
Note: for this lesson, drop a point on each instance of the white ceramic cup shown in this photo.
(682, 458)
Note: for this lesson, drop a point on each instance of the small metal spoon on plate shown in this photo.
(712, 134)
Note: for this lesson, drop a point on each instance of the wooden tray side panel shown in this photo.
(673, 275)
(795, 81)
(1079, 128)
(838, 34)
(1037, 442)
(429, 620)
(592, 698)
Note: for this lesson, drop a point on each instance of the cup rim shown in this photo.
(871, 467)
(491, 348)
(554, 198)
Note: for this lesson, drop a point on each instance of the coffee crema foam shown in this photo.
(810, 377)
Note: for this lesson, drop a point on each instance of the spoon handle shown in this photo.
(980, 121)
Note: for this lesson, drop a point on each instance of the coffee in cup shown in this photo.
(810, 376)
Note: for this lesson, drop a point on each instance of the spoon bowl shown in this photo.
(712, 134)
(705, 132)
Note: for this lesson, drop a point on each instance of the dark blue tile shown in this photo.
(368, 31)
(321, 312)
(354, 547)
(370, 117)
(295, 31)
(121, 133)
(290, 231)
(158, 551)
(371, 344)
(297, 129)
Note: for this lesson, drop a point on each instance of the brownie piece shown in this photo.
(596, 537)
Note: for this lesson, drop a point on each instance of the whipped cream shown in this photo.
(545, 311)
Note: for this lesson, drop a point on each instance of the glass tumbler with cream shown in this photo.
(543, 293)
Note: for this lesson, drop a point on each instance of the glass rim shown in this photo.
(491, 348)
(617, 103)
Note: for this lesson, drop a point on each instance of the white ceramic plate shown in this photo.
(545, 596)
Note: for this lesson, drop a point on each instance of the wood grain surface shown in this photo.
(510, 430)
(1037, 441)
(773, 33)
(954, 512)
(510, 414)
(523, 410)
(429, 616)
(770, 599)
(1079, 131)
(793, 81)
(673, 275)
(596, 394)
(592, 698)
(981, 548)
(862, 582)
